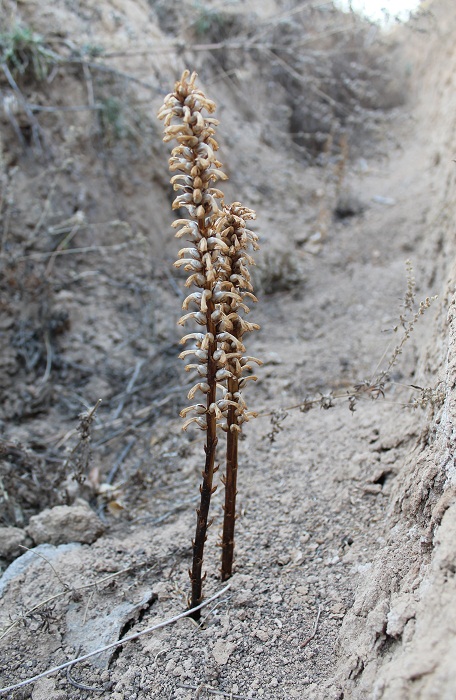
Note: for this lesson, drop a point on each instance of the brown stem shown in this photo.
(206, 488)
(230, 488)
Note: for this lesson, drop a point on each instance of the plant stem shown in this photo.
(218, 268)
(206, 487)
(229, 517)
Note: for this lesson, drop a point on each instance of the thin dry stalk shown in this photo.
(216, 262)
(36, 129)
(314, 631)
(194, 160)
(229, 513)
(237, 288)
(375, 387)
(81, 453)
(113, 645)
(29, 612)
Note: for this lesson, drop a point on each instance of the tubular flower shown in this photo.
(233, 288)
(197, 168)
(216, 259)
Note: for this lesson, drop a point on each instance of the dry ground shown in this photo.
(345, 557)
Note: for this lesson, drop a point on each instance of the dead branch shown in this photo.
(36, 607)
(314, 631)
(36, 128)
(113, 645)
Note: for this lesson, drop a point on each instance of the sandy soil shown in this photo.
(344, 582)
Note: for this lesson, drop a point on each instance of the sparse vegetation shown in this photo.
(208, 22)
(111, 120)
(377, 385)
(26, 54)
(88, 305)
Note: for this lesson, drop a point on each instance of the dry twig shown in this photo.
(56, 596)
(314, 631)
(211, 691)
(113, 645)
(36, 129)
(81, 686)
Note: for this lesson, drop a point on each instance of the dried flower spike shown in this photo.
(217, 261)
(234, 289)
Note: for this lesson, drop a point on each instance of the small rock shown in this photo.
(45, 689)
(283, 559)
(302, 590)
(222, 651)
(10, 540)
(63, 524)
(163, 591)
(402, 610)
(386, 201)
(244, 597)
(348, 205)
(262, 634)
(22, 563)
(337, 608)
(332, 561)
(170, 666)
(297, 556)
(372, 488)
(99, 630)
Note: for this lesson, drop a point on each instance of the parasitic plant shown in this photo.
(235, 288)
(217, 262)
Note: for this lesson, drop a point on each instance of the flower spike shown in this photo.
(216, 258)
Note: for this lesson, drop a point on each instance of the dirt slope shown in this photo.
(345, 557)
(399, 634)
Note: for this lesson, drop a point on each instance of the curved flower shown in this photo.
(234, 288)
(217, 260)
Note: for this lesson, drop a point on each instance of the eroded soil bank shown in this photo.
(345, 555)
